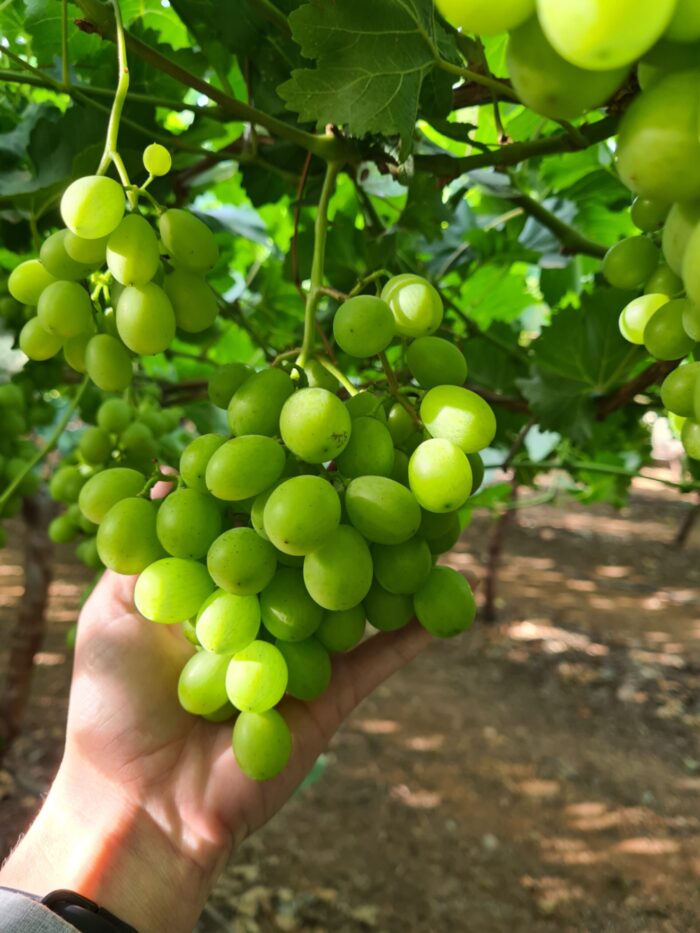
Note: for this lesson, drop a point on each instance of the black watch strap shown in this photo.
(84, 914)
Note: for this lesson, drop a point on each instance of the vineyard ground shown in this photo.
(542, 775)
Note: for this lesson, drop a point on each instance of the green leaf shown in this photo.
(372, 59)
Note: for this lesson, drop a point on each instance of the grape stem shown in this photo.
(317, 263)
(65, 67)
(395, 390)
(341, 377)
(48, 445)
(368, 279)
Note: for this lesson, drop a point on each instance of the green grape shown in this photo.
(105, 489)
(445, 603)
(387, 611)
(54, 257)
(244, 467)
(364, 326)
(193, 301)
(343, 630)
(188, 523)
(153, 420)
(256, 406)
(370, 450)
(126, 539)
(691, 265)
(338, 573)
(658, 149)
(477, 465)
(28, 280)
(382, 510)
(685, 22)
(458, 415)
(65, 309)
(439, 475)
(195, 459)
(241, 562)
(691, 320)
(664, 335)
(95, 445)
(262, 744)
(107, 363)
(678, 390)
(315, 425)
(132, 251)
(227, 623)
(62, 530)
(223, 714)
(665, 57)
(434, 362)
(75, 348)
(308, 668)
(365, 405)
(676, 424)
(86, 551)
(549, 84)
(402, 568)
(89, 253)
(225, 382)
(37, 343)
(137, 441)
(441, 535)
(93, 206)
(649, 215)
(690, 438)
(318, 377)
(189, 242)
(300, 514)
(201, 688)
(680, 224)
(484, 17)
(256, 678)
(629, 263)
(597, 34)
(399, 470)
(636, 315)
(145, 319)
(664, 281)
(188, 629)
(415, 304)
(157, 160)
(400, 423)
(11, 396)
(288, 612)
(171, 589)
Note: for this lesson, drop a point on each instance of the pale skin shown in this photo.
(148, 804)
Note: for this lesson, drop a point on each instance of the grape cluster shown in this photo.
(153, 284)
(279, 544)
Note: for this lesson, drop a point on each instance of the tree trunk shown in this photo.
(686, 526)
(28, 634)
(493, 562)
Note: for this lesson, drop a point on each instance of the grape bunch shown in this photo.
(317, 515)
(152, 287)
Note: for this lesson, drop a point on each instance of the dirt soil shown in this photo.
(539, 775)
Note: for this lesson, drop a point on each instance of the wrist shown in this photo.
(90, 838)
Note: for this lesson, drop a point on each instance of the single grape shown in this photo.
(399, 470)
(256, 678)
(308, 668)
(315, 425)
(445, 603)
(262, 744)
(434, 361)
(188, 523)
(342, 630)
(223, 714)
(193, 301)
(664, 281)
(382, 510)
(93, 206)
(195, 459)
(370, 450)
(338, 573)
(86, 551)
(400, 423)
(62, 530)
(364, 326)
(256, 406)
(649, 215)
(365, 405)
(678, 390)
(154, 420)
(157, 160)
(227, 623)
(126, 539)
(691, 320)
(28, 280)
(55, 258)
(691, 260)
(171, 589)
(300, 514)
(288, 612)
(682, 220)
(95, 445)
(189, 242)
(132, 251)
(415, 304)
(387, 611)
(439, 475)
(107, 363)
(225, 382)
(85, 252)
(629, 263)
(65, 309)
(244, 467)
(75, 348)
(664, 335)
(477, 465)
(636, 315)
(241, 562)
(105, 489)
(402, 568)
(138, 441)
(318, 377)
(145, 319)
(483, 17)
(201, 688)
(690, 438)
(11, 396)
(685, 22)
(441, 530)
(458, 415)
(37, 343)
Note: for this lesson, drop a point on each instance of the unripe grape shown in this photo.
(11, 396)
(114, 415)
(315, 425)
(95, 445)
(127, 540)
(241, 562)
(636, 315)
(262, 744)
(157, 160)
(664, 335)
(225, 382)
(690, 438)
(65, 309)
(382, 510)
(685, 22)
(399, 423)
(365, 405)
(86, 252)
(691, 320)
(338, 573)
(664, 281)
(105, 489)
(256, 405)
(201, 688)
(188, 522)
(75, 348)
(364, 326)
(629, 263)
(434, 361)
(445, 603)
(62, 530)
(256, 677)
(308, 668)
(93, 206)
(86, 551)
(387, 611)
(107, 363)
(145, 319)
(678, 390)
(415, 304)
(195, 459)
(649, 215)
(343, 630)
(28, 280)
(55, 258)
(244, 467)
(288, 612)
(189, 242)
(227, 623)
(439, 475)
(38, 343)
(682, 220)
(458, 415)
(370, 450)
(300, 513)
(132, 251)
(171, 589)
(402, 568)
(484, 17)
(318, 377)
(193, 301)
